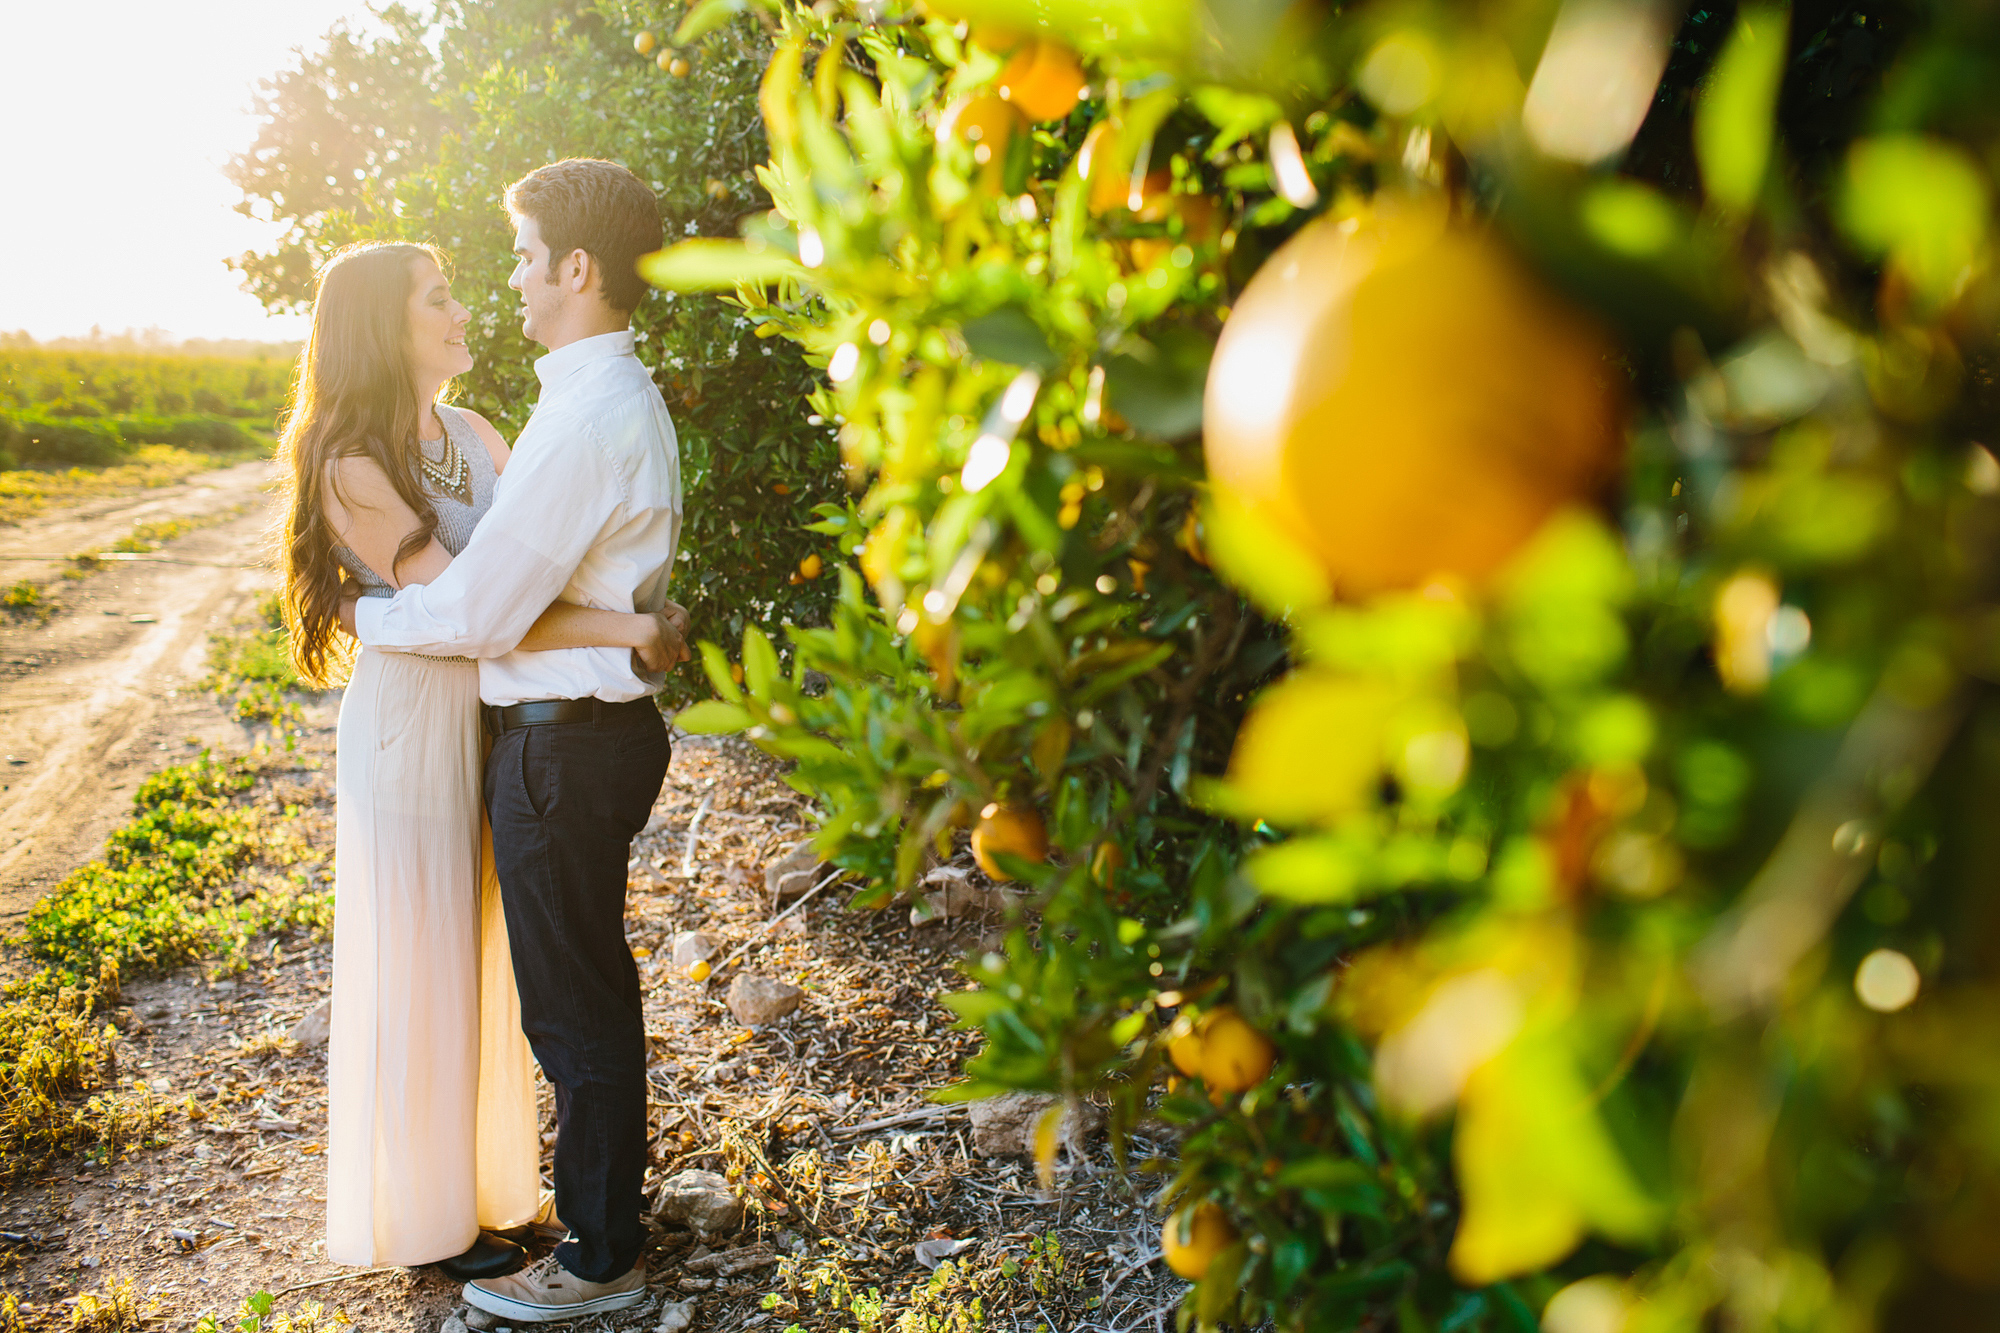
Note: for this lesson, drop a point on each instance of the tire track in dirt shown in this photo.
(91, 697)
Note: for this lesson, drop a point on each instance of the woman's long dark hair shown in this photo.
(352, 395)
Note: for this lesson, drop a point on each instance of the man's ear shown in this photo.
(579, 271)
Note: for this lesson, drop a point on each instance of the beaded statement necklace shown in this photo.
(450, 473)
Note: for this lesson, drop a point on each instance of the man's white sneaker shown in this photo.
(545, 1292)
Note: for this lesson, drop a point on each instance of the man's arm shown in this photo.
(559, 494)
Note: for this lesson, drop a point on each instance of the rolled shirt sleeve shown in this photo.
(559, 493)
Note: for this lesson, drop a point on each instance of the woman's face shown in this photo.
(437, 326)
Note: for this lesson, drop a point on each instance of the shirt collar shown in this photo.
(566, 361)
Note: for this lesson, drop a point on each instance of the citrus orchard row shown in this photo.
(1474, 656)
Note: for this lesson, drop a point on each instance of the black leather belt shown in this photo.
(543, 712)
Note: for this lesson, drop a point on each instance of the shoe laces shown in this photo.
(540, 1271)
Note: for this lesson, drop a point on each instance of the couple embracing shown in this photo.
(498, 746)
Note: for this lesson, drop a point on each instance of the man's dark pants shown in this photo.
(566, 800)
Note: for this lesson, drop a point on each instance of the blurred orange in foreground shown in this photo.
(1235, 1057)
(1043, 80)
(984, 121)
(1401, 397)
(1011, 830)
(1193, 1237)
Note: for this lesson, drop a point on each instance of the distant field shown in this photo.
(64, 409)
(100, 384)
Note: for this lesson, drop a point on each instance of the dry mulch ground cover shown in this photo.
(868, 1207)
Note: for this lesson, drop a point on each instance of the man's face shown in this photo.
(542, 295)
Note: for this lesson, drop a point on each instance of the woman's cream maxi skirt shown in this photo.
(431, 1100)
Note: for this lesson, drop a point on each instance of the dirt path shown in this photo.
(91, 695)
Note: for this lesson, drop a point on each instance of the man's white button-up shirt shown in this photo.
(588, 510)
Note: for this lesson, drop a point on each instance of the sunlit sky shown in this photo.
(115, 119)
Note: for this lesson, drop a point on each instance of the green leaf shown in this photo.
(760, 662)
(973, 1007)
(1734, 122)
(1633, 220)
(1324, 1172)
(1217, 1289)
(711, 265)
(1312, 748)
(705, 18)
(1235, 115)
(719, 676)
(1921, 204)
(713, 717)
(1009, 335)
(1158, 385)
(1537, 1168)
(1309, 870)
(1278, 573)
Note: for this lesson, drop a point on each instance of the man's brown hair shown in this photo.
(588, 204)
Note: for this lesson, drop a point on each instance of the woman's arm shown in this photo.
(372, 520)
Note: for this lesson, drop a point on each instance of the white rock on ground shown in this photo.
(1004, 1126)
(953, 894)
(700, 1201)
(311, 1031)
(756, 1001)
(692, 946)
(473, 1317)
(676, 1316)
(793, 873)
(452, 1324)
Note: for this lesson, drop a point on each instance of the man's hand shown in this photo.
(662, 647)
(677, 613)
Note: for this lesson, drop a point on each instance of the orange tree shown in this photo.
(379, 136)
(1549, 868)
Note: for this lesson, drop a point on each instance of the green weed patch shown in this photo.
(143, 538)
(27, 598)
(252, 670)
(167, 890)
(58, 1092)
(193, 875)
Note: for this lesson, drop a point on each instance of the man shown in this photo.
(589, 508)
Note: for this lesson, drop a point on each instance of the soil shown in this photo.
(820, 1118)
(94, 693)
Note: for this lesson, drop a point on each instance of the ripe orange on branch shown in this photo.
(644, 43)
(1184, 1049)
(1043, 80)
(1235, 1057)
(1222, 1050)
(1400, 396)
(1011, 830)
(1098, 162)
(982, 120)
(1193, 1237)
(1159, 202)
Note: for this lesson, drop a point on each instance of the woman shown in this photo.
(431, 1111)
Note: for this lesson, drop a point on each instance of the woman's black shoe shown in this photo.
(490, 1256)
